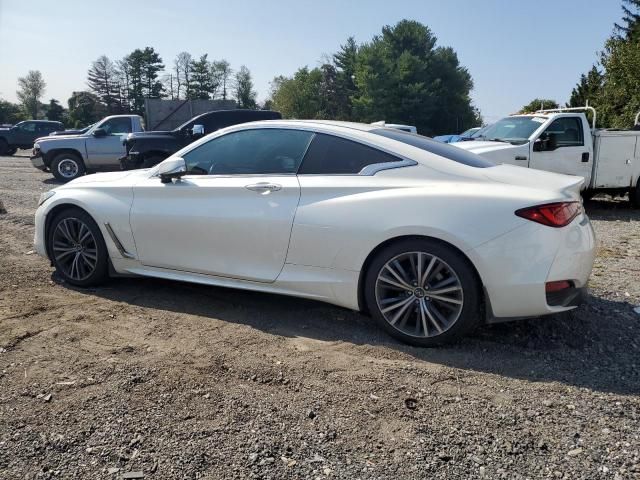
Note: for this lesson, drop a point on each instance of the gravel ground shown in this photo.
(191, 382)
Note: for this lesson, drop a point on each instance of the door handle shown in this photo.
(585, 157)
(520, 157)
(263, 187)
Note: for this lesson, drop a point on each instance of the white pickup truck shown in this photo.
(562, 141)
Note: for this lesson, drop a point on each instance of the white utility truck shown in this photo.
(562, 141)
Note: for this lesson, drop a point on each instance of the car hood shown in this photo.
(103, 179)
(56, 138)
(527, 177)
(481, 146)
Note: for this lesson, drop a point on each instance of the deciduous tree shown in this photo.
(244, 93)
(31, 88)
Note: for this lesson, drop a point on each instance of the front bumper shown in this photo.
(38, 237)
(38, 161)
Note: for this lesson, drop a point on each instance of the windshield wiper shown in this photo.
(498, 140)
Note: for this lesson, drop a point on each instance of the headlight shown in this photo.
(36, 146)
(46, 196)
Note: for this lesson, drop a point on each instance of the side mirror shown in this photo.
(197, 130)
(538, 145)
(171, 168)
(552, 142)
(99, 132)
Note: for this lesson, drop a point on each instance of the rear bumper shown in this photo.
(515, 268)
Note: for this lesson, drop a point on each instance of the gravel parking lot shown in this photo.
(185, 381)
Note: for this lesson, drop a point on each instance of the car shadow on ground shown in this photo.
(595, 347)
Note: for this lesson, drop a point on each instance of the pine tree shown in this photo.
(102, 80)
(201, 82)
(631, 18)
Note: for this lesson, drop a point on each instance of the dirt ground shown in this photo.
(193, 382)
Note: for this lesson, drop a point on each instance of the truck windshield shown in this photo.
(516, 130)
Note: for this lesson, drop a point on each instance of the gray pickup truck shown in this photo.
(98, 149)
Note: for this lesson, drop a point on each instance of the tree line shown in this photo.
(399, 76)
(121, 86)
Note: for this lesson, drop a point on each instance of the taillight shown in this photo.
(555, 215)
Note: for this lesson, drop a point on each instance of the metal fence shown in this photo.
(168, 114)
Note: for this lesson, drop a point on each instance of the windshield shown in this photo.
(470, 132)
(513, 129)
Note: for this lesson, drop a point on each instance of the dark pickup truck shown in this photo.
(146, 149)
(23, 134)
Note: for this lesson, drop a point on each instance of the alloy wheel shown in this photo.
(419, 294)
(74, 248)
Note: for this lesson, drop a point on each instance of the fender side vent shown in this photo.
(117, 242)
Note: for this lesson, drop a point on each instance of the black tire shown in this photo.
(4, 147)
(467, 316)
(634, 195)
(67, 166)
(11, 151)
(587, 195)
(67, 242)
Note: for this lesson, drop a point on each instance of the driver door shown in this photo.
(105, 151)
(232, 214)
(571, 155)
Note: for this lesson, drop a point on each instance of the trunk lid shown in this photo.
(568, 185)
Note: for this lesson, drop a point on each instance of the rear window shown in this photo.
(447, 151)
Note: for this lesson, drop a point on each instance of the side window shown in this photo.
(250, 152)
(330, 155)
(28, 127)
(117, 126)
(568, 131)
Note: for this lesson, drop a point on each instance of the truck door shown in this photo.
(106, 151)
(572, 152)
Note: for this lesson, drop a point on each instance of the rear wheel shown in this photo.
(4, 146)
(77, 249)
(634, 195)
(422, 292)
(11, 151)
(67, 166)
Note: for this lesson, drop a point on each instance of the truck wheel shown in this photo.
(12, 151)
(4, 146)
(634, 195)
(67, 166)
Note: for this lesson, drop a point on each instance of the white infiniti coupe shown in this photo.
(428, 239)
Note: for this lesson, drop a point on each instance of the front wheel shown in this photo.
(11, 151)
(4, 147)
(77, 249)
(422, 292)
(67, 166)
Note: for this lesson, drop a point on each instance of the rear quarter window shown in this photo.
(331, 155)
(445, 150)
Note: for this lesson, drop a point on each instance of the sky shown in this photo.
(515, 50)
